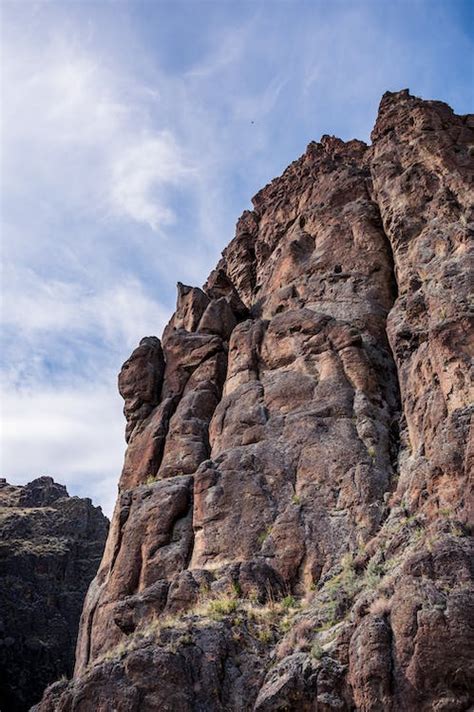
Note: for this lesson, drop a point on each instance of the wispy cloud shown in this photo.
(87, 133)
(116, 313)
(140, 175)
(225, 50)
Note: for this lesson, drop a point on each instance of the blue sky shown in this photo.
(133, 136)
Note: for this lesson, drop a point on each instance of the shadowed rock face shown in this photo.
(50, 549)
(292, 529)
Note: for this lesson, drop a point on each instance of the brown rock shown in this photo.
(310, 446)
(140, 382)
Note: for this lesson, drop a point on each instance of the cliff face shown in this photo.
(50, 549)
(292, 525)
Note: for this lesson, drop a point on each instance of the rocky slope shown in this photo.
(50, 549)
(292, 529)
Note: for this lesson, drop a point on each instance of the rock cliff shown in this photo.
(50, 549)
(292, 528)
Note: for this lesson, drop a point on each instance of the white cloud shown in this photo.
(74, 434)
(120, 314)
(138, 174)
(86, 134)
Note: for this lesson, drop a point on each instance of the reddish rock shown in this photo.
(140, 382)
(295, 497)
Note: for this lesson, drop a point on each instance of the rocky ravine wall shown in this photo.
(50, 549)
(292, 526)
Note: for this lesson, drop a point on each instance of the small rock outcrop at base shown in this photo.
(50, 549)
(292, 531)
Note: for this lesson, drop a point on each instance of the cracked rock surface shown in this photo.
(292, 527)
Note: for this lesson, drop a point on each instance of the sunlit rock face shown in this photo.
(292, 528)
(50, 549)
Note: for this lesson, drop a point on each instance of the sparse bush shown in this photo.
(221, 607)
(265, 635)
(418, 534)
(371, 452)
(317, 651)
(340, 591)
(185, 639)
(285, 624)
(237, 589)
(114, 653)
(236, 635)
(263, 536)
(289, 602)
(381, 606)
(374, 573)
(284, 649)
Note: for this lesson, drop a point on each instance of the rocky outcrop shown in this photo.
(50, 549)
(292, 528)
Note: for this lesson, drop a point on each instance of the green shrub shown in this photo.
(221, 607)
(374, 573)
(285, 624)
(289, 602)
(236, 589)
(263, 536)
(264, 635)
(316, 651)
